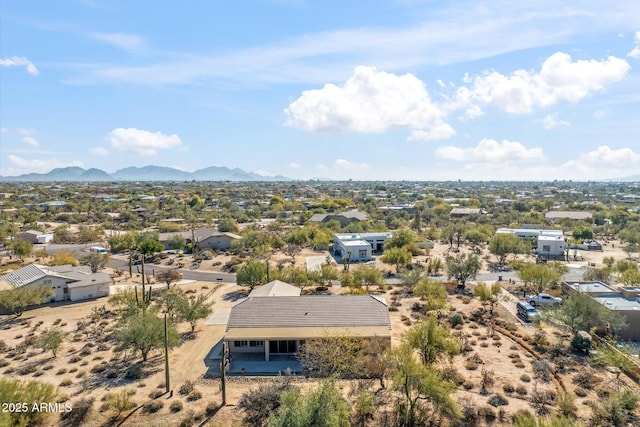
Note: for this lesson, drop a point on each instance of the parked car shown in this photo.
(527, 312)
(543, 299)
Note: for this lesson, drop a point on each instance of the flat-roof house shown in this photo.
(359, 246)
(550, 243)
(206, 238)
(344, 218)
(274, 328)
(464, 212)
(574, 215)
(34, 236)
(67, 282)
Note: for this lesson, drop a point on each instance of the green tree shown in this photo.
(630, 277)
(432, 292)
(322, 407)
(177, 241)
(193, 309)
(228, 225)
(400, 239)
(19, 299)
(409, 278)
(424, 393)
(538, 276)
(51, 339)
(22, 248)
(63, 258)
(120, 401)
(431, 340)
(503, 244)
(170, 299)
(251, 273)
(144, 332)
(397, 256)
(368, 276)
(28, 392)
(463, 267)
(488, 295)
(580, 312)
(582, 232)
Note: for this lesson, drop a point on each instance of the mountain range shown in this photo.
(146, 173)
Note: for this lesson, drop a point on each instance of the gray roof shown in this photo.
(200, 234)
(24, 275)
(348, 214)
(309, 311)
(275, 288)
(77, 276)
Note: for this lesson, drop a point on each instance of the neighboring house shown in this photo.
(344, 218)
(575, 215)
(34, 236)
(463, 212)
(549, 243)
(67, 282)
(205, 237)
(624, 301)
(275, 288)
(274, 328)
(359, 246)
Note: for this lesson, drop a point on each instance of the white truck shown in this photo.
(543, 299)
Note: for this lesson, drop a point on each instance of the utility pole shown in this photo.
(166, 354)
(223, 377)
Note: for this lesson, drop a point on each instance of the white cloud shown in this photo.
(294, 165)
(30, 140)
(26, 131)
(437, 132)
(349, 166)
(551, 121)
(20, 61)
(264, 172)
(370, 101)
(635, 52)
(140, 142)
(560, 79)
(492, 152)
(4, 130)
(127, 42)
(604, 157)
(101, 151)
(601, 114)
(35, 165)
(345, 169)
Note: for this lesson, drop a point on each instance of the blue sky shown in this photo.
(406, 89)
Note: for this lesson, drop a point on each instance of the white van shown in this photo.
(526, 311)
(97, 250)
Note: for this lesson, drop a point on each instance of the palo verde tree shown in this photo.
(503, 244)
(22, 248)
(169, 276)
(19, 299)
(51, 339)
(29, 392)
(397, 256)
(251, 273)
(95, 261)
(488, 295)
(431, 340)
(463, 267)
(193, 309)
(432, 292)
(538, 277)
(144, 332)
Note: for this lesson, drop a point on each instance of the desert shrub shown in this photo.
(508, 388)
(72, 370)
(3, 346)
(468, 385)
(134, 372)
(61, 371)
(3, 363)
(585, 379)
(45, 367)
(519, 365)
(155, 394)
(514, 355)
(521, 390)
(111, 374)
(541, 370)
(186, 388)
(488, 413)
(152, 407)
(120, 401)
(75, 359)
(80, 374)
(9, 370)
(603, 392)
(103, 347)
(498, 400)
(27, 369)
(456, 319)
(175, 406)
(452, 374)
(97, 369)
(38, 373)
(194, 395)
(580, 392)
(525, 378)
(471, 365)
(211, 408)
(259, 403)
(84, 363)
(497, 344)
(86, 351)
(77, 415)
(66, 382)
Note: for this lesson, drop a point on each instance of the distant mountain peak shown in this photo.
(144, 173)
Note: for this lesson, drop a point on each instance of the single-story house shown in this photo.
(463, 212)
(34, 236)
(344, 218)
(359, 246)
(549, 243)
(67, 282)
(275, 328)
(206, 238)
(275, 288)
(575, 215)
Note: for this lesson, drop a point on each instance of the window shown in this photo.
(362, 253)
(46, 282)
(256, 343)
(240, 343)
(65, 290)
(284, 346)
(546, 248)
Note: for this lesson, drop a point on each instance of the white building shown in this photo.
(66, 282)
(359, 246)
(549, 243)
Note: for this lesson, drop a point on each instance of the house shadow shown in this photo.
(235, 295)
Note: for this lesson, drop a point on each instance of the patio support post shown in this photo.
(266, 350)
